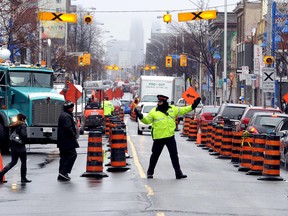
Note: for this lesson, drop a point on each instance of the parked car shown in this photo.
(248, 113)
(282, 131)
(125, 105)
(206, 114)
(145, 110)
(265, 122)
(229, 114)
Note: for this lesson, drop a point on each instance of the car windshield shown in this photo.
(146, 109)
(251, 112)
(125, 102)
(268, 121)
(210, 109)
(115, 103)
(233, 111)
(24, 79)
(149, 98)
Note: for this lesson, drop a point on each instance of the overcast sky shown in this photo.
(119, 21)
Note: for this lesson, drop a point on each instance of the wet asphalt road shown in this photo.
(213, 187)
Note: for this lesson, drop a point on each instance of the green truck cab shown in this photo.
(29, 90)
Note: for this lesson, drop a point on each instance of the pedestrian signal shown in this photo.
(88, 19)
(167, 18)
(268, 60)
(169, 61)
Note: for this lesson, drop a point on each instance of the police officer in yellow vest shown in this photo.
(163, 126)
(107, 106)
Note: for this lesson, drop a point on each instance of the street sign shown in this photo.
(268, 79)
(59, 17)
(175, 56)
(198, 15)
(245, 70)
(239, 71)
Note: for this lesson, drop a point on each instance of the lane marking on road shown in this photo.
(160, 214)
(150, 191)
(135, 158)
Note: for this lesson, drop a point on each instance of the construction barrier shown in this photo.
(94, 167)
(218, 140)
(236, 147)
(203, 136)
(192, 135)
(213, 133)
(107, 126)
(209, 136)
(118, 156)
(246, 152)
(226, 146)
(121, 115)
(258, 147)
(177, 124)
(271, 167)
(185, 129)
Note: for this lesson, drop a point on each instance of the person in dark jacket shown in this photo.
(67, 141)
(18, 150)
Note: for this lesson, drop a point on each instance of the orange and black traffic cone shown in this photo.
(1, 168)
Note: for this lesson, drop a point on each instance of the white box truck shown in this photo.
(151, 86)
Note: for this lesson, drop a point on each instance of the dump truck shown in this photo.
(29, 90)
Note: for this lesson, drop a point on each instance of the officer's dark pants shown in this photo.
(67, 159)
(157, 148)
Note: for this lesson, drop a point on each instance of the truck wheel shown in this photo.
(4, 140)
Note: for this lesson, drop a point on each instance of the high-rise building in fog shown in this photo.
(137, 42)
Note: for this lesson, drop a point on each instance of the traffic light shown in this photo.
(268, 60)
(81, 61)
(183, 60)
(167, 18)
(88, 19)
(169, 61)
(87, 58)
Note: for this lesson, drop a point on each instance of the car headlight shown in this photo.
(13, 119)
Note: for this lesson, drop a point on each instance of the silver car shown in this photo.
(145, 109)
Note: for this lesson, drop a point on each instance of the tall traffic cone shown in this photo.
(198, 140)
(1, 167)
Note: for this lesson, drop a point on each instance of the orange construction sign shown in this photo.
(190, 95)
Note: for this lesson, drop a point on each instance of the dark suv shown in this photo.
(229, 114)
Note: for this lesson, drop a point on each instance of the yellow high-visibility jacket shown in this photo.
(108, 107)
(163, 125)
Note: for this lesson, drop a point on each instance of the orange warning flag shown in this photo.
(190, 95)
(72, 94)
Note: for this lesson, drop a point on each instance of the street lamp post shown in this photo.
(49, 53)
(216, 57)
